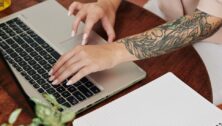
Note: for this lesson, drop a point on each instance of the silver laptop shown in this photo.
(33, 39)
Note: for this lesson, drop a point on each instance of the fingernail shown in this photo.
(84, 40)
(73, 33)
(55, 82)
(50, 72)
(69, 83)
(85, 36)
(51, 78)
(69, 13)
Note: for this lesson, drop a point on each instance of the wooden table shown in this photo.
(184, 63)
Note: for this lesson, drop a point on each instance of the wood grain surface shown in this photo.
(184, 63)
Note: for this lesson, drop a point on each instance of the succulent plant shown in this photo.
(45, 115)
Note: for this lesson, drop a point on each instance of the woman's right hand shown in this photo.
(103, 10)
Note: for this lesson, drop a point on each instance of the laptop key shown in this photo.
(9, 51)
(35, 85)
(15, 45)
(27, 68)
(65, 94)
(46, 86)
(52, 61)
(40, 90)
(27, 58)
(36, 77)
(38, 58)
(47, 67)
(42, 62)
(18, 59)
(55, 54)
(22, 63)
(41, 81)
(50, 91)
(61, 100)
(72, 89)
(66, 104)
(31, 72)
(4, 45)
(38, 40)
(10, 41)
(41, 71)
(32, 62)
(95, 89)
(47, 56)
(33, 54)
(36, 66)
(29, 49)
(84, 80)
(18, 40)
(85, 91)
(88, 84)
(72, 100)
(56, 95)
(60, 89)
(79, 96)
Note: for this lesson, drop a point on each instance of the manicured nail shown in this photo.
(55, 82)
(50, 72)
(69, 13)
(73, 33)
(69, 83)
(51, 78)
(84, 39)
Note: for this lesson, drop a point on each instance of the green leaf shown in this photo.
(36, 101)
(50, 98)
(4, 124)
(67, 117)
(36, 122)
(14, 115)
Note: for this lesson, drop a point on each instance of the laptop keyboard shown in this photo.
(30, 55)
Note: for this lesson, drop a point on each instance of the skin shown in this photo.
(103, 10)
(83, 60)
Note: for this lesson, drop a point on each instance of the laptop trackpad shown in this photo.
(51, 20)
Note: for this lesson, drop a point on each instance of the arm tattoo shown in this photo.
(172, 35)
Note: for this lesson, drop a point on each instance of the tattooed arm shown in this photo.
(172, 35)
(165, 38)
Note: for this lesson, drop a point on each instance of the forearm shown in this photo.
(171, 35)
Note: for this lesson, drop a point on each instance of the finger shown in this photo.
(90, 21)
(63, 59)
(74, 6)
(68, 72)
(65, 67)
(82, 73)
(79, 17)
(109, 29)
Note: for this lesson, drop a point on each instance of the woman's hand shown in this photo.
(84, 60)
(103, 10)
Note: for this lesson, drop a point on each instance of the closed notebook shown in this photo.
(167, 101)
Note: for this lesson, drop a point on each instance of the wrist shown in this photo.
(110, 5)
(121, 54)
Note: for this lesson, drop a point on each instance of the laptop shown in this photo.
(33, 39)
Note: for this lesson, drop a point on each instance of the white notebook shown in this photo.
(166, 101)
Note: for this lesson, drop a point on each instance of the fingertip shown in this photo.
(69, 83)
(50, 72)
(73, 33)
(69, 13)
(84, 39)
(55, 82)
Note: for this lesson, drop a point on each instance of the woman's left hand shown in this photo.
(83, 60)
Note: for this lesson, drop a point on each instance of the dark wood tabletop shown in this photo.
(184, 63)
